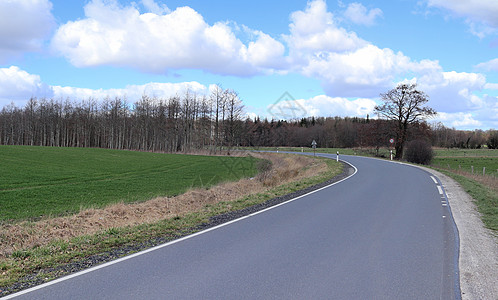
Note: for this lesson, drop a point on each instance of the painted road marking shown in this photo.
(440, 190)
(434, 179)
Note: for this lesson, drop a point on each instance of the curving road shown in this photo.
(384, 233)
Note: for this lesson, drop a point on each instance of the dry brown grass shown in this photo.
(284, 169)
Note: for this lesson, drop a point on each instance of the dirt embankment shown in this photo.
(26, 234)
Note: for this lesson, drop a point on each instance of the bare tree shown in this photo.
(235, 109)
(404, 105)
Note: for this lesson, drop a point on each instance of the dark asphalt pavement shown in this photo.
(384, 233)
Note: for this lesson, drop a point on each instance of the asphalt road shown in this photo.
(384, 233)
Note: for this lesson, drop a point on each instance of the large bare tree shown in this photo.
(404, 105)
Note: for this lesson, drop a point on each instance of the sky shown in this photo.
(285, 59)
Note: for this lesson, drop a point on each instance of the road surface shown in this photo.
(384, 233)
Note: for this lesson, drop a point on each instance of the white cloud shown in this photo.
(323, 106)
(453, 91)
(24, 24)
(357, 13)
(480, 14)
(155, 8)
(346, 65)
(315, 30)
(491, 86)
(132, 93)
(459, 120)
(19, 86)
(266, 52)
(122, 36)
(365, 72)
(491, 65)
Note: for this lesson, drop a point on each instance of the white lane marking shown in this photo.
(440, 190)
(169, 243)
(434, 179)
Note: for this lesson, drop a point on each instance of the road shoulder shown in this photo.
(478, 260)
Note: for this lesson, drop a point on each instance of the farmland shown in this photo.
(44, 181)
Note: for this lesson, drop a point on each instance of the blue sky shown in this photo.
(333, 57)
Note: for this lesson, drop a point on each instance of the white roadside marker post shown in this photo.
(337, 156)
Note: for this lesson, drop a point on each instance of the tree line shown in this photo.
(190, 122)
(175, 124)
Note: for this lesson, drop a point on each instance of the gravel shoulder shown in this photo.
(478, 260)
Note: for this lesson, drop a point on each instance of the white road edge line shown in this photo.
(38, 287)
(440, 190)
(434, 179)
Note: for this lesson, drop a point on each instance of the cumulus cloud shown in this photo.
(322, 105)
(18, 86)
(24, 25)
(153, 7)
(491, 65)
(132, 93)
(357, 13)
(459, 120)
(364, 70)
(122, 36)
(480, 14)
(314, 29)
(491, 86)
(346, 65)
(453, 91)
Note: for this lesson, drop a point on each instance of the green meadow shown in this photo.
(464, 160)
(44, 181)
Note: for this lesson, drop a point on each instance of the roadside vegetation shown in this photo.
(33, 251)
(476, 170)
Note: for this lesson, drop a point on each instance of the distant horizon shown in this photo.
(318, 58)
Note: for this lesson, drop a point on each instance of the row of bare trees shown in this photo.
(329, 132)
(445, 137)
(211, 122)
(175, 124)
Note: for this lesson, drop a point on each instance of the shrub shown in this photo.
(419, 152)
(493, 140)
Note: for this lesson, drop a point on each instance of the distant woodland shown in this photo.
(189, 122)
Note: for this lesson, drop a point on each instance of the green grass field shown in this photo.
(45, 181)
(466, 153)
(464, 159)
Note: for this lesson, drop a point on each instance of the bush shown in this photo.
(493, 140)
(419, 152)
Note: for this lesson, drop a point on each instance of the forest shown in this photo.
(190, 122)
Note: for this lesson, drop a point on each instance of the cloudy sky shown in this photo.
(322, 58)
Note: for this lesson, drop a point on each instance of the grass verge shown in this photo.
(485, 197)
(29, 266)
